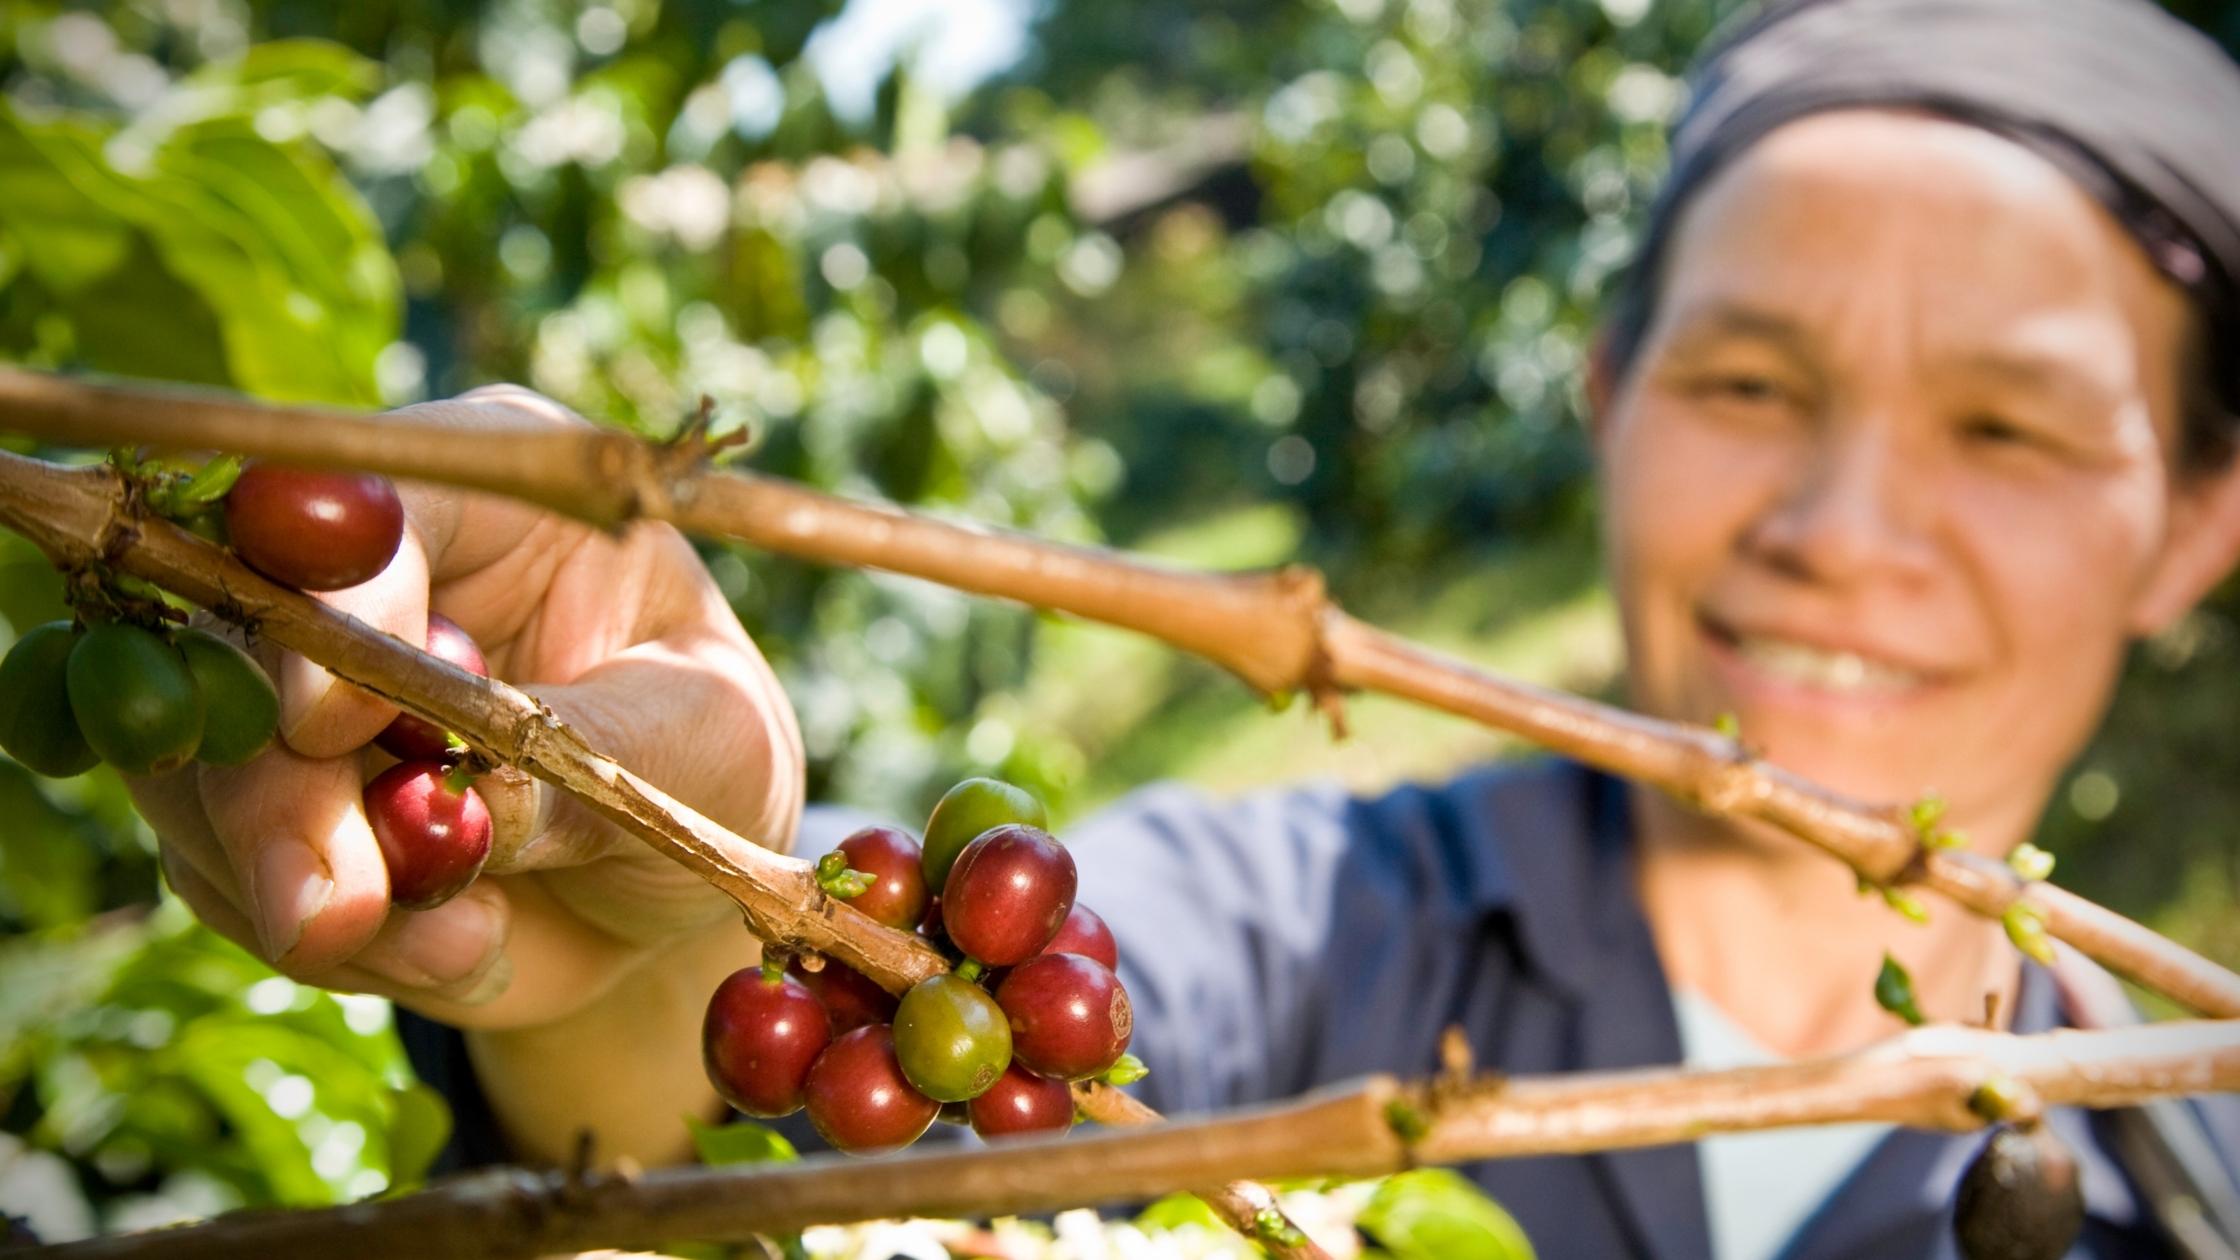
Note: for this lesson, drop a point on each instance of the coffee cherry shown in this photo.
(433, 835)
(1069, 1016)
(952, 1038)
(859, 1099)
(36, 725)
(897, 897)
(851, 999)
(1007, 894)
(965, 811)
(408, 738)
(134, 698)
(2021, 1198)
(315, 531)
(758, 1039)
(241, 711)
(1022, 1103)
(1085, 934)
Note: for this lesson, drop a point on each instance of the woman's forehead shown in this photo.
(1859, 224)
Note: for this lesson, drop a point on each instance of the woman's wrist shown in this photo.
(624, 1067)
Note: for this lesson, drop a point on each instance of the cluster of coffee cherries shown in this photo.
(148, 696)
(1032, 1005)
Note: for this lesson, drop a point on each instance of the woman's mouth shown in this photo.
(1815, 666)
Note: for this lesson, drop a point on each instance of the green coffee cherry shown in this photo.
(134, 699)
(36, 725)
(965, 811)
(240, 709)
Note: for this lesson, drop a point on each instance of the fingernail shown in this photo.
(290, 886)
(431, 948)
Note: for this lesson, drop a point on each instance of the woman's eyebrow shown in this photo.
(1724, 318)
(2049, 374)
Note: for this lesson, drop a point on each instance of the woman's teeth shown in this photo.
(1823, 669)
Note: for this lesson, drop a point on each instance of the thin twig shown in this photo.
(1933, 1078)
(1277, 631)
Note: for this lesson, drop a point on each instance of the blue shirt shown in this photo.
(1303, 936)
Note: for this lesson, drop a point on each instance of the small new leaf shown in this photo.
(1907, 904)
(1926, 814)
(1729, 725)
(1997, 1099)
(2026, 927)
(838, 879)
(211, 482)
(1271, 1225)
(2030, 863)
(1893, 992)
(739, 1142)
(1127, 1071)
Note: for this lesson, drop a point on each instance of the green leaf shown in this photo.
(1437, 1213)
(1179, 1210)
(69, 239)
(419, 1123)
(1893, 992)
(293, 69)
(739, 1142)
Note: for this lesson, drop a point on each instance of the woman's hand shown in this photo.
(626, 639)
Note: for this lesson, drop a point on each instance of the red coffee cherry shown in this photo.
(315, 531)
(1069, 1016)
(1022, 1103)
(408, 738)
(1085, 934)
(859, 1099)
(434, 836)
(1007, 895)
(758, 1039)
(897, 897)
(851, 999)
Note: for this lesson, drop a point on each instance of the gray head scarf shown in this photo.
(2140, 108)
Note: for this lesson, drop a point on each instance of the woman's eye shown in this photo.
(1989, 430)
(1745, 388)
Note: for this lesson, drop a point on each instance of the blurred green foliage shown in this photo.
(1237, 284)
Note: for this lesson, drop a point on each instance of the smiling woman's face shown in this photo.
(1890, 476)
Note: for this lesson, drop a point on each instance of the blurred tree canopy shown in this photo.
(1236, 284)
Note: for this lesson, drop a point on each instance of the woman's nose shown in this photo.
(1855, 510)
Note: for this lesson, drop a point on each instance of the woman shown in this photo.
(1916, 412)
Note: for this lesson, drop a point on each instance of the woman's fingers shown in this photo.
(322, 716)
(386, 967)
(310, 873)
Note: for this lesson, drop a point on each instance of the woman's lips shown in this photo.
(1790, 664)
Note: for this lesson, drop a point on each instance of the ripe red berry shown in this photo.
(1085, 934)
(758, 1040)
(851, 998)
(1069, 1016)
(1007, 895)
(411, 739)
(858, 1098)
(897, 897)
(433, 836)
(1022, 1103)
(315, 531)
